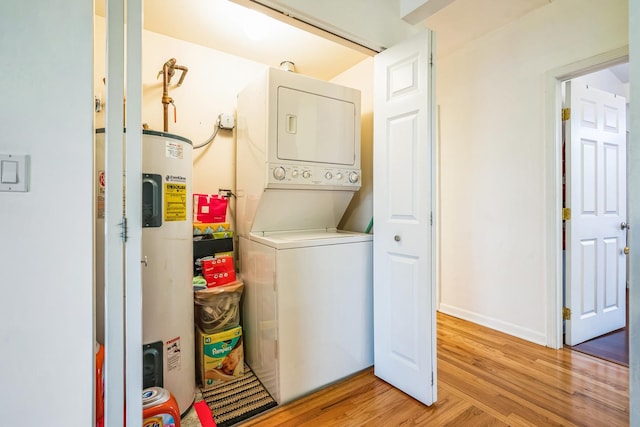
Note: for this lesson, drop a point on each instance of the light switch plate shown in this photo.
(10, 161)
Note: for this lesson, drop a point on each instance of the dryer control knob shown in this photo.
(306, 174)
(279, 173)
(339, 176)
(328, 175)
(294, 173)
(354, 177)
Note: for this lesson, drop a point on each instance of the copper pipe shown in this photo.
(168, 70)
(184, 73)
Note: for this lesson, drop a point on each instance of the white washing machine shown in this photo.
(307, 310)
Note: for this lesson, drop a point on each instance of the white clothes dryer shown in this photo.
(308, 298)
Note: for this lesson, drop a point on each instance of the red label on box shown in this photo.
(218, 279)
(217, 265)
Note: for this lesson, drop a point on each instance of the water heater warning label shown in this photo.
(100, 195)
(175, 201)
(173, 150)
(173, 354)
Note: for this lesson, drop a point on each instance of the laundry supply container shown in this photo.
(159, 408)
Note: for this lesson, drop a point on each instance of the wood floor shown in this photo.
(613, 346)
(485, 378)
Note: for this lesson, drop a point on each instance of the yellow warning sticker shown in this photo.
(175, 201)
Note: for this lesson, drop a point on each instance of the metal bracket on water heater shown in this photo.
(152, 371)
(151, 200)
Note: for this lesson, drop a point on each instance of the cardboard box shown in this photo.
(219, 356)
(210, 228)
(217, 264)
(208, 248)
(218, 270)
(221, 278)
(222, 234)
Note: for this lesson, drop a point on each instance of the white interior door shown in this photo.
(404, 291)
(596, 195)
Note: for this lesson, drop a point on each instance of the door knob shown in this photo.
(624, 225)
(626, 250)
(396, 238)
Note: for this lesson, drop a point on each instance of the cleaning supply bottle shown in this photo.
(159, 408)
(99, 349)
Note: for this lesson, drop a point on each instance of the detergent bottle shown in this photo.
(159, 408)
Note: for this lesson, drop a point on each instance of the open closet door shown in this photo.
(403, 248)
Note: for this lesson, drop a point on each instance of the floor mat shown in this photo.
(237, 400)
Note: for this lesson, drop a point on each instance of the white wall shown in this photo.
(605, 80)
(46, 308)
(493, 202)
(360, 211)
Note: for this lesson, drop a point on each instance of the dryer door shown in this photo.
(315, 128)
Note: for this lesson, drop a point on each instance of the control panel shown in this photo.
(313, 175)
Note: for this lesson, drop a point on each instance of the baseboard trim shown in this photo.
(493, 323)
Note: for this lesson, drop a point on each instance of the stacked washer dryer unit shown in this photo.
(307, 311)
(167, 248)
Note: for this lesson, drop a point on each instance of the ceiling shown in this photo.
(237, 30)
(465, 20)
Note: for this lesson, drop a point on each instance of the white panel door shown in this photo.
(404, 294)
(596, 195)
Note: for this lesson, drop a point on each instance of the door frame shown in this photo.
(553, 182)
(123, 239)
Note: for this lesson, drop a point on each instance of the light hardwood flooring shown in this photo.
(485, 378)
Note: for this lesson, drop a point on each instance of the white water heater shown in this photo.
(167, 272)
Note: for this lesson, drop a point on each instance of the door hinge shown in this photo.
(432, 378)
(566, 214)
(566, 114)
(431, 59)
(123, 230)
(431, 218)
(566, 313)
